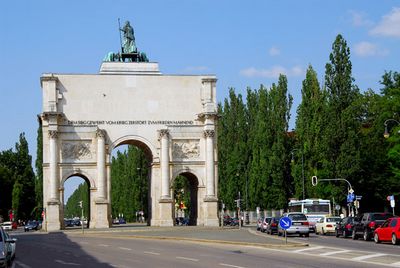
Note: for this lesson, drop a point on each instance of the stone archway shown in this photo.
(145, 174)
(172, 117)
(89, 205)
(193, 189)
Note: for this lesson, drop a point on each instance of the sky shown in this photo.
(244, 43)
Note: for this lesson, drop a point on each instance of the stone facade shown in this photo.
(171, 117)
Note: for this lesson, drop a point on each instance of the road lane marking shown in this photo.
(334, 252)
(150, 252)
(188, 259)
(306, 249)
(67, 263)
(124, 248)
(361, 258)
(21, 264)
(83, 242)
(103, 245)
(396, 264)
(230, 265)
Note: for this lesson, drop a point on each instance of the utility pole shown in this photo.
(81, 206)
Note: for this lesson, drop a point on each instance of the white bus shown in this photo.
(314, 209)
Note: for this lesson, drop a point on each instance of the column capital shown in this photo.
(53, 134)
(163, 132)
(209, 133)
(100, 133)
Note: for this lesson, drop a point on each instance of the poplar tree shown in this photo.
(310, 127)
(341, 136)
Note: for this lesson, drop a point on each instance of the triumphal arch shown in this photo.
(171, 117)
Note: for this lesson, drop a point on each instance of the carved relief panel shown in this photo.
(186, 149)
(76, 150)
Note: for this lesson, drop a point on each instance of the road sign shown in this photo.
(285, 223)
(358, 197)
(351, 191)
(350, 197)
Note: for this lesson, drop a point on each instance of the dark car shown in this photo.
(31, 225)
(227, 220)
(344, 227)
(272, 226)
(366, 223)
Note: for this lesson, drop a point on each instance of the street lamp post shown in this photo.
(302, 168)
(386, 134)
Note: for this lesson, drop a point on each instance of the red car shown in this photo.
(389, 231)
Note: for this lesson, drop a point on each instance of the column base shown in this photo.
(211, 211)
(101, 219)
(53, 222)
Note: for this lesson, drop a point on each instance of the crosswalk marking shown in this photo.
(361, 258)
(334, 252)
(307, 249)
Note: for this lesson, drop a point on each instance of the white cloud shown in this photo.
(273, 72)
(359, 19)
(366, 49)
(274, 51)
(389, 25)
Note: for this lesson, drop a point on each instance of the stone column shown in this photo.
(210, 176)
(101, 165)
(164, 163)
(54, 197)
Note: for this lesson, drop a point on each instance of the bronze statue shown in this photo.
(129, 45)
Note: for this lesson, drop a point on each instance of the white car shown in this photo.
(300, 224)
(7, 225)
(326, 225)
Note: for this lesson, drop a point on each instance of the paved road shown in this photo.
(74, 250)
(211, 247)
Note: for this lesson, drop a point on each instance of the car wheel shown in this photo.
(354, 235)
(376, 238)
(337, 233)
(365, 235)
(394, 239)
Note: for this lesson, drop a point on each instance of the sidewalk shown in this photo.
(244, 236)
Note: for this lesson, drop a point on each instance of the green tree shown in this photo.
(39, 172)
(310, 125)
(341, 135)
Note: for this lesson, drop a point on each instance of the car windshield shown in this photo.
(333, 219)
(380, 216)
(298, 217)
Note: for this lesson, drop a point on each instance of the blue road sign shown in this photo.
(285, 223)
(350, 197)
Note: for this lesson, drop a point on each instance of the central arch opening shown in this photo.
(185, 192)
(130, 183)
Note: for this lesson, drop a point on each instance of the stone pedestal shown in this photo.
(165, 219)
(101, 219)
(211, 212)
(53, 222)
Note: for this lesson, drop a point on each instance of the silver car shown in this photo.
(300, 224)
(5, 249)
